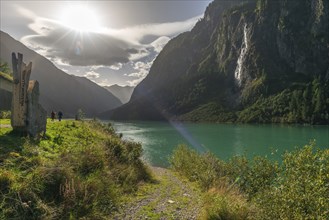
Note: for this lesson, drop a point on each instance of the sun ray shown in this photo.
(81, 18)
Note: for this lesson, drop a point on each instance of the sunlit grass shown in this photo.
(78, 169)
(4, 122)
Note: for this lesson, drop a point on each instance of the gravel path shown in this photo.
(168, 198)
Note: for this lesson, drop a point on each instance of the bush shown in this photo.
(252, 175)
(204, 169)
(301, 190)
(5, 114)
(73, 173)
(226, 203)
(260, 188)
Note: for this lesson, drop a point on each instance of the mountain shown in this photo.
(5, 95)
(58, 90)
(123, 93)
(245, 61)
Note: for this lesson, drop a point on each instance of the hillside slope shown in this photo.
(123, 93)
(246, 61)
(58, 90)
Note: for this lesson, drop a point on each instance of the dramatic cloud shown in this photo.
(92, 75)
(75, 48)
(141, 71)
(108, 47)
(116, 66)
(159, 43)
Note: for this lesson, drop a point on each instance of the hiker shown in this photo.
(52, 115)
(60, 115)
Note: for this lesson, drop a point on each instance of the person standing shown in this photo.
(52, 115)
(60, 115)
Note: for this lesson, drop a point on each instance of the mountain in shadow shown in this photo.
(123, 93)
(59, 90)
(244, 61)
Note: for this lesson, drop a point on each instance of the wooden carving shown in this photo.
(27, 115)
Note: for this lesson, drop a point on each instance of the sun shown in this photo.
(81, 18)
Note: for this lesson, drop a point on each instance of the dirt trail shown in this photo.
(168, 198)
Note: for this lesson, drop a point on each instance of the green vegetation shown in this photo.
(306, 103)
(5, 71)
(6, 76)
(284, 78)
(5, 115)
(79, 170)
(259, 188)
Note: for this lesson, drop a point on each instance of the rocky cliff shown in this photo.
(247, 61)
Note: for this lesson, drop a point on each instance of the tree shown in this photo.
(80, 115)
(307, 104)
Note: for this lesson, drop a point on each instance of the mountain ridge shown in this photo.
(59, 90)
(123, 93)
(248, 61)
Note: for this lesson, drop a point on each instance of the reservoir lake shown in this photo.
(159, 139)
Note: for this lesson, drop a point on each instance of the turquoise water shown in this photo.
(224, 140)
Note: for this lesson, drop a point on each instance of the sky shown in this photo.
(109, 42)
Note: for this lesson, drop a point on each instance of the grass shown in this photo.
(259, 188)
(6, 76)
(84, 170)
(4, 121)
(152, 200)
(79, 170)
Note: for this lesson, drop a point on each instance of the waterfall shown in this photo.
(242, 57)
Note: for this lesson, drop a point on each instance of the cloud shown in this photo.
(92, 75)
(137, 33)
(78, 49)
(142, 69)
(134, 82)
(116, 66)
(159, 43)
(108, 47)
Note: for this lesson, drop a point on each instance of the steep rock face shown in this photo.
(244, 61)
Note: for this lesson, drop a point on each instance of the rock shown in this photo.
(170, 201)
(186, 194)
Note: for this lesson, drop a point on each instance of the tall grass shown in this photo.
(259, 188)
(81, 170)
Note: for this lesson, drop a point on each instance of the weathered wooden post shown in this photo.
(36, 115)
(27, 114)
(21, 77)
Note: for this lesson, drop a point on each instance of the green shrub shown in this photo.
(252, 175)
(73, 173)
(226, 203)
(5, 114)
(201, 168)
(259, 188)
(301, 190)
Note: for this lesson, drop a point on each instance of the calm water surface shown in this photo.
(224, 140)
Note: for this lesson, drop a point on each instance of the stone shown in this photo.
(171, 201)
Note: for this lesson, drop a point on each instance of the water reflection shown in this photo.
(238, 144)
